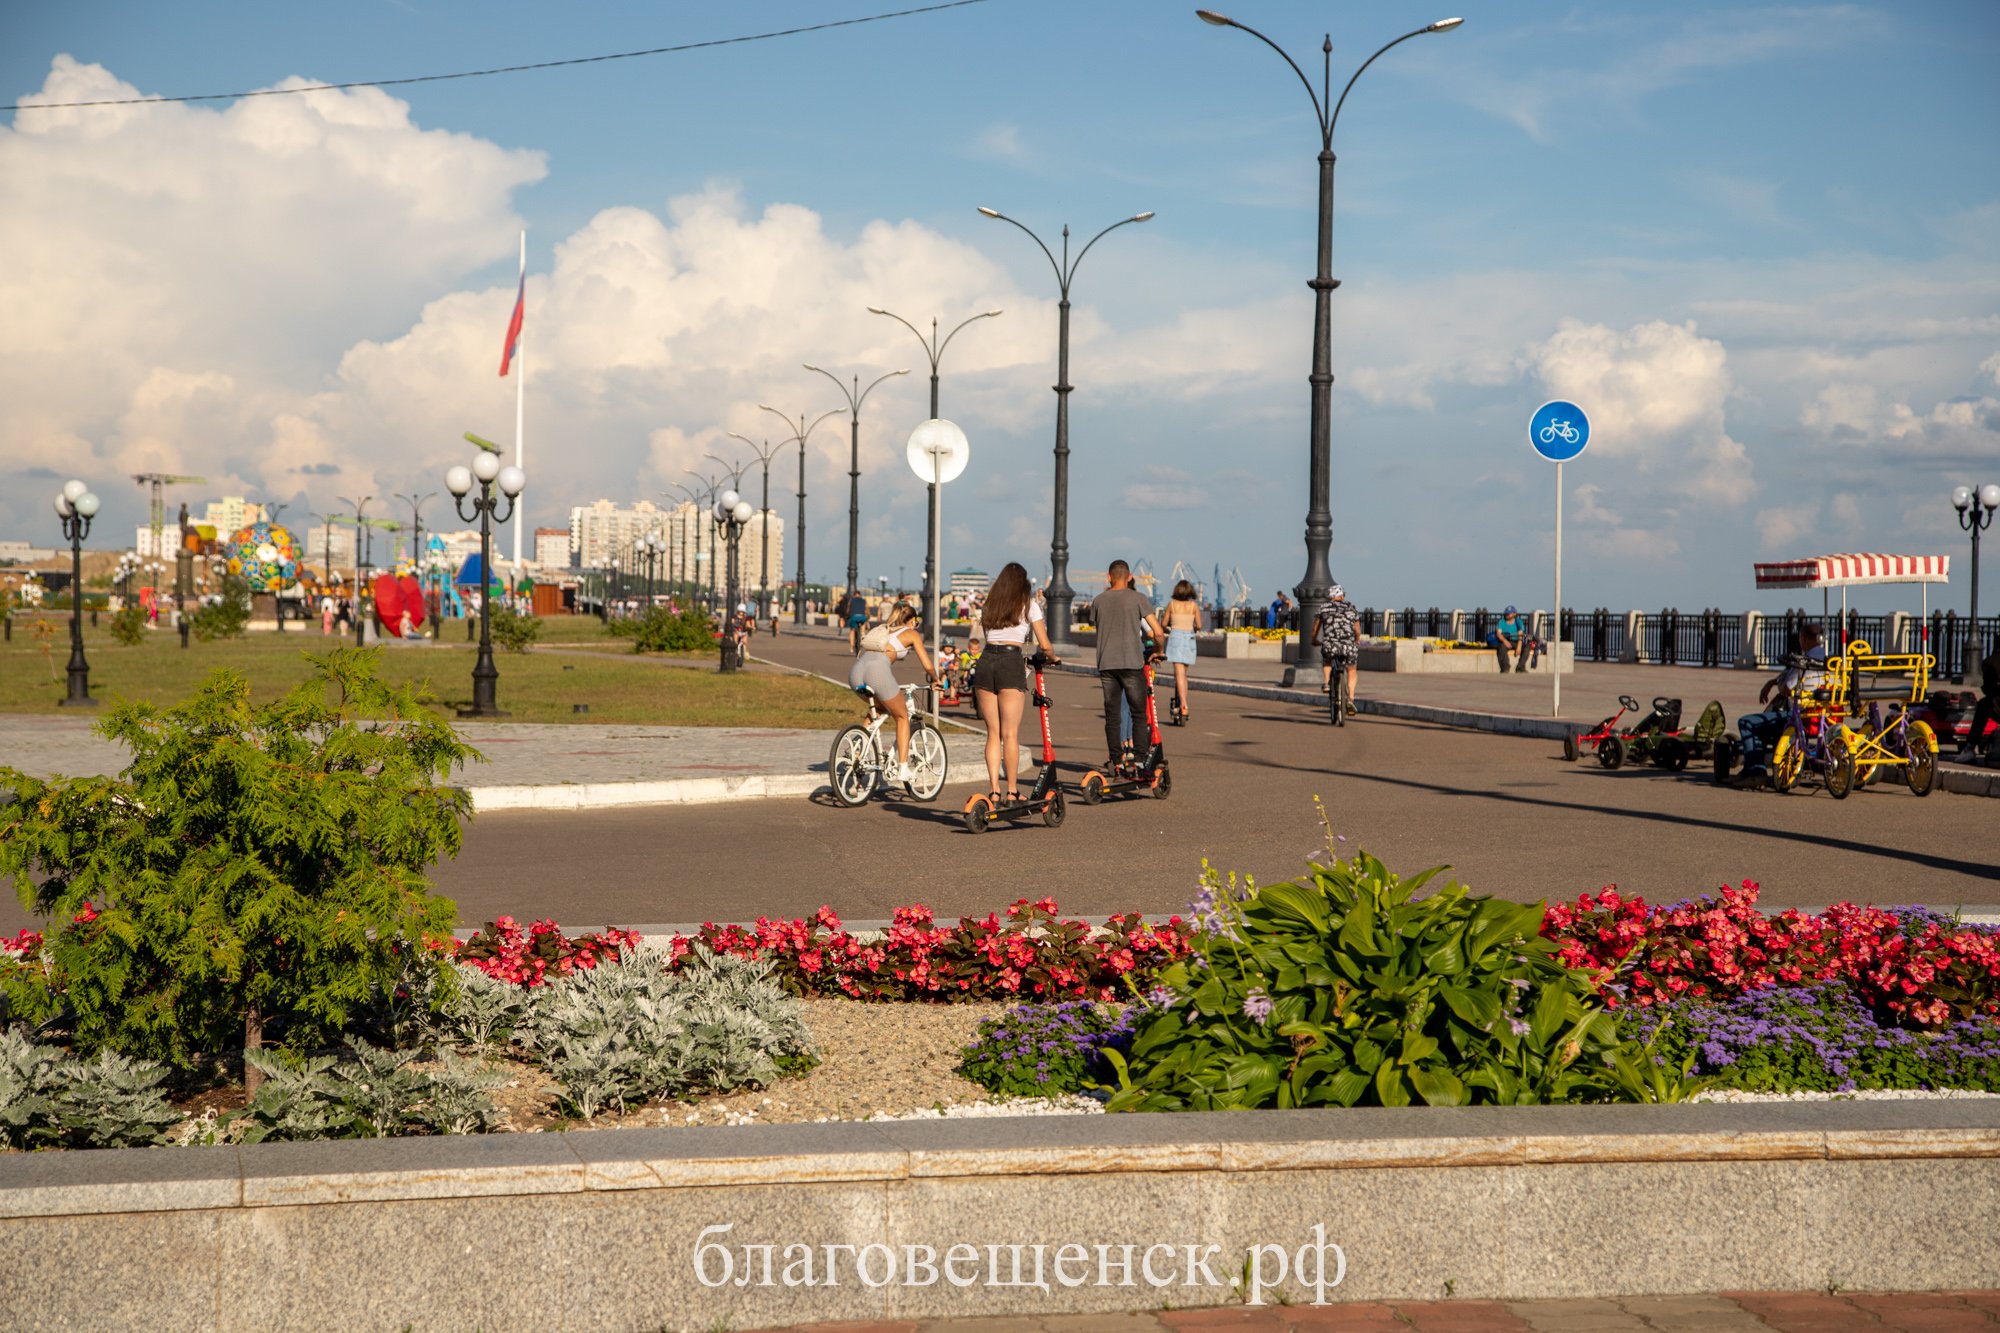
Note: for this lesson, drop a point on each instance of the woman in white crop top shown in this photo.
(1000, 681)
(871, 677)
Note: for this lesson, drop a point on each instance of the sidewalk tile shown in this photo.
(1256, 1319)
(1344, 1317)
(1649, 1307)
(1564, 1308)
(996, 1324)
(1101, 1323)
(1584, 1323)
(1461, 1317)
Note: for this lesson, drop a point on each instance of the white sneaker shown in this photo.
(900, 774)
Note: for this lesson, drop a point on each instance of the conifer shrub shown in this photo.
(256, 872)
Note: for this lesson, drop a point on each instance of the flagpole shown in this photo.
(520, 407)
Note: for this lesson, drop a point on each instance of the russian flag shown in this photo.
(514, 325)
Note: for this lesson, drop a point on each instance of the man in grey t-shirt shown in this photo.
(1122, 614)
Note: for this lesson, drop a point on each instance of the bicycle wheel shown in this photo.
(1840, 772)
(929, 763)
(1922, 772)
(1787, 759)
(852, 767)
(1337, 696)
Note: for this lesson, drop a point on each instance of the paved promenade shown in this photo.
(1792, 1312)
(547, 766)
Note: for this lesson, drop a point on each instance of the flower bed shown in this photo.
(1031, 953)
(1908, 965)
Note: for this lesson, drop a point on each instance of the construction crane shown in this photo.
(1184, 570)
(159, 481)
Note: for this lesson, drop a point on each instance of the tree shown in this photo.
(256, 870)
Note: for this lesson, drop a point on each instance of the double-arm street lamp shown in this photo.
(1312, 589)
(76, 505)
(765, 453)
(934, 350)
(703, 496)
(801, 432)
(856, 396)
(1975, 514)
(512, 481)
(1060, 594)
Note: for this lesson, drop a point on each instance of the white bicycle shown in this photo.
(862, 756)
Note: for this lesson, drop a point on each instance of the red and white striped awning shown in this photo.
(1846, 571)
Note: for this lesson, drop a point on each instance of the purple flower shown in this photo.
(1257, 1005)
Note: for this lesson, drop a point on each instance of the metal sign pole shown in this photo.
(937, 568)
(1555, 632)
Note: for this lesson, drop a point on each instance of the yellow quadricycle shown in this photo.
(1874, 693)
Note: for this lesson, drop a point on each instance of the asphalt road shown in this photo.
(1507, 814)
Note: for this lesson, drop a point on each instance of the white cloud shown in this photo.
(1655, 393)
(189, 269)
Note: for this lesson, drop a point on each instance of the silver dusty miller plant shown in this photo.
(629, 1031)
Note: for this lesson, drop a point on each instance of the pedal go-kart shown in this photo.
(1813, 741)
(1890, 736)
(1636, 744)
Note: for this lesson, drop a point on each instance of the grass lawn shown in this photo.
(540, 686)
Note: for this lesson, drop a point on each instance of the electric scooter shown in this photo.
(1150, 776)
(1045, 798)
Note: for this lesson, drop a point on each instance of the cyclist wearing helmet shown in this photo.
(1336, 629)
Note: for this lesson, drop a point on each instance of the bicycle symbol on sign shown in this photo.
(1559, 427)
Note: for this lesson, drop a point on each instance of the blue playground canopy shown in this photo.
(468, 574)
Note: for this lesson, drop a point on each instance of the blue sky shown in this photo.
(1759, 243)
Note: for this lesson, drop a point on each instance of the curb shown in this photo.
(672, 791)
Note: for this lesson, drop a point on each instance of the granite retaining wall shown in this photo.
(759, 1226)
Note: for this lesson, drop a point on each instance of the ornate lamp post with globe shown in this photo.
(732, 514)
(76, 506)
(1975, 513)
(512, 481)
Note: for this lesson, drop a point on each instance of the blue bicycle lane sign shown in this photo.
(1559, 430)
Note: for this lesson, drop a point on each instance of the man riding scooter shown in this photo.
(1123, 616)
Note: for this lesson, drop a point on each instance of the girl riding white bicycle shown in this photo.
(873, 678)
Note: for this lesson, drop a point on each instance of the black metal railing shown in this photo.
(1599, 635)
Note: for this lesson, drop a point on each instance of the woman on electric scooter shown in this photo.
(872, 677)
(1000, 681)
(1182, 622)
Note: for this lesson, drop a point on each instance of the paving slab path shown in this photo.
(1787, 1311)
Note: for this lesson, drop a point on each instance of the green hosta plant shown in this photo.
(1343, 989)
(254, 864)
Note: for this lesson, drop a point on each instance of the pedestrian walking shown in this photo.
(1183, 621)
(1124, 617)
(1000, 681)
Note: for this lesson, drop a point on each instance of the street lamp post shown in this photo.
(512, 481)
(801, 432)
(1975, 514)
(933, 350)
(1312, 589)
(765, 453)
(416, 504)
(732, 513)
(856, 396)
(76, 505)
(1060, 594)
(704, 517)
(360, 617)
